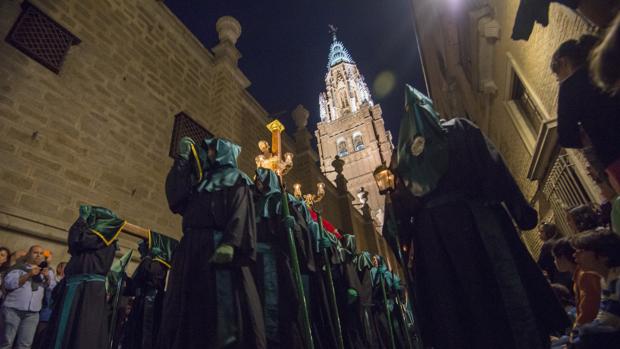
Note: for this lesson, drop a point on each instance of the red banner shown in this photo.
(326, 224)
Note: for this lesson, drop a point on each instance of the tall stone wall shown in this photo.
(98, 132)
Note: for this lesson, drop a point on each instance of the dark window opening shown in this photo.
(358, 142)
(342, 149)
(525, 104)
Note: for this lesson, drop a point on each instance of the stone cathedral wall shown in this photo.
(99, 131)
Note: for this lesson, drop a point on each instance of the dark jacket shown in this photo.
(582, 103)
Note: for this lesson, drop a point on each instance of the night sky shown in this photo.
(285, 44)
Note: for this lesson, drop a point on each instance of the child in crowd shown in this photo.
(586, 284)
(599, 252)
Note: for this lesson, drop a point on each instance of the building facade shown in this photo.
(89, 91)
(475, 70)
(351, 127)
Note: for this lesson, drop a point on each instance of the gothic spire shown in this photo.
(337, 52)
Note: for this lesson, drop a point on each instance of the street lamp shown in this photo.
(385, 180)
(384, 177)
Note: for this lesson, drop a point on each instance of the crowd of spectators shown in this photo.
(592, 260)
(588, 113)
(586, 278)
(27, 280)
(588, 72)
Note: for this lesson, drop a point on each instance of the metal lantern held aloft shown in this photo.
(385, 179)
(272, 158)
(310, 199)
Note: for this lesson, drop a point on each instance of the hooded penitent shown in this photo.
(273, 270)
(349, 243)
(269, 203)
(358, 318)
(363, 260)
(81, 295)
(102, 222)
(422, 144)
(213, 297)
(223, 172)
(147, 286)
(474, 282)
(161, 247)
(378, 271)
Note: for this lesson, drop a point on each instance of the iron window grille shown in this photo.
(41, 38)
(185, 126)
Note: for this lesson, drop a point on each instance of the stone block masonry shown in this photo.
(98, 132)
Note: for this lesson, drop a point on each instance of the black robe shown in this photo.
(208, 305)
(322, 318)
(358, 322)
(582, 105)
(380, 317)
(474, 283)
(276, 285)
(316, 288)
(87, 310)
(147, 287)
(402, 330)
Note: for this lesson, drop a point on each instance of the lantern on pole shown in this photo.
(384, 178)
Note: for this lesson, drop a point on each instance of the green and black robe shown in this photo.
(209, 305)
(273, 270)
(475, 285)
(80, 314)
(147, 286)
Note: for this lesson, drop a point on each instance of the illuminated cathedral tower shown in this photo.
(351, 126)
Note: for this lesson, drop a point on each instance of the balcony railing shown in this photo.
(564, 190)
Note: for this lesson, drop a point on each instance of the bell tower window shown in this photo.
(358, 141)
(341, 147)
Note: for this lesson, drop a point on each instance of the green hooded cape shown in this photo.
(363, 260)
(102, 222)
(270, 202)
(313, 226)
(161, 248)
(422, 144)
(223, 172)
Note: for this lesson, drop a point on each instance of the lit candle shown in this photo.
(259, 161)
(297, 190)
(288, 158)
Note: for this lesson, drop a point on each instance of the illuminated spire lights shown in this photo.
(345, 89)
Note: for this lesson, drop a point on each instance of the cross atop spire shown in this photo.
(332, 31)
